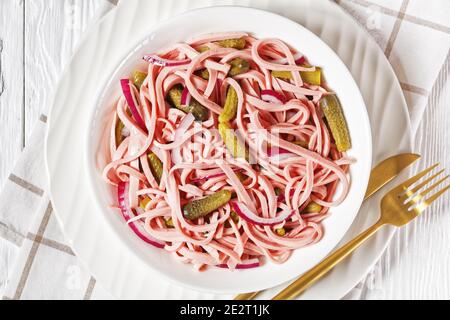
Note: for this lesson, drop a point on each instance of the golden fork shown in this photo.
(398, 207)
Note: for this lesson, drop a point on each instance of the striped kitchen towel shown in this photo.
(36, 262)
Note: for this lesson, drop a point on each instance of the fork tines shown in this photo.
(415, 197)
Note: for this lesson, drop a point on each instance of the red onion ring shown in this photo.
(127, 213)
(154, 59)
(186, 97)
(298, 57)
(300, 60)
(273, 97)
(246, 264)
(126, 89)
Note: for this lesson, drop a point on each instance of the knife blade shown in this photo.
(388, 170)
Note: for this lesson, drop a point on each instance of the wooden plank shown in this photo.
(11, 84)
(11, 107)
(52, 31)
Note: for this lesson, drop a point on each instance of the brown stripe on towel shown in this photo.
(396, 29)
(90, 289)
(50, 243)
(26, 185)
(31, 256)
(414, 89)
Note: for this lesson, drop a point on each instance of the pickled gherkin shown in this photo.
(198, 111)
(234, 216)
(334, 115)
(203, 73)
(144, 202)
(278, 191)
(311, 77)
(238, 44)
(156, 166)
(238, 66)
(312, 207)
(203, 49)
(174, 96)
(200, 208)
(231, 105)
(285, 75)
(118, 132)
(242, 177)
(301, 143)
(139, 78)
(169, 223)
(233, 43)
(236, 147)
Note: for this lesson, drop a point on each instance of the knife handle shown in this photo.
(314, 274)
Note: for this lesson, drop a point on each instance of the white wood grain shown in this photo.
(37, 38)
(11, 105)
(52, 31)
(11, 83)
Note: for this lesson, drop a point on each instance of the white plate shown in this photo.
(113, 265)
(261, 24)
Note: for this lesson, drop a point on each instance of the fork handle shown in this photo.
(314, 274)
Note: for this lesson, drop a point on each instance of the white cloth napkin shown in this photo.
(415, 36)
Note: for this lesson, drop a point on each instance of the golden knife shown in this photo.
(387, 171)
(381, 175)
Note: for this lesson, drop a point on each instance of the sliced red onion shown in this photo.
(217, 97)
(298, 57)
(127, 213)
(154, 59)
(246, 264)
(126, 89)
(245, 213)
(301, 60)
(186, 97)
(273, 97)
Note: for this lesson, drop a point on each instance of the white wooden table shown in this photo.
(37, 38)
